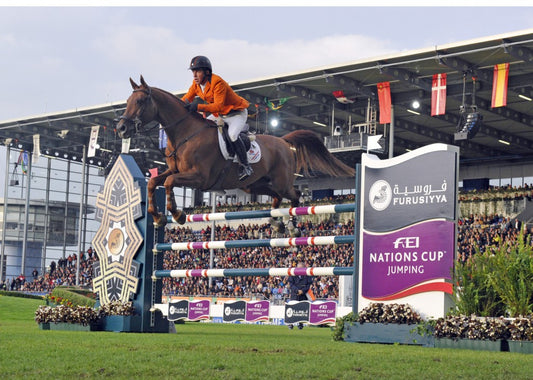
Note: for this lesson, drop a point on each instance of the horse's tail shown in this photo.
(313, 156)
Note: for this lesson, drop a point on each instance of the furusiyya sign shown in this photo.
(408, 223)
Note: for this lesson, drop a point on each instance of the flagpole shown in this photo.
(80, 218)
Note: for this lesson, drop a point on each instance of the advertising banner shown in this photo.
(408, 227)
(257, 311)
(297, 311)
(178, 310)
(234, 311)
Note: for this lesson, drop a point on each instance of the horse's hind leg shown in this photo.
(293, 221)
(277, 224)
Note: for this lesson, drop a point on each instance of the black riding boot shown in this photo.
(245, 170)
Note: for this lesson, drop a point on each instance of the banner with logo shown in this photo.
(408, 224)
(199, 310)
(188, 310)
(178, 310)
(297, 311)
(257, 311)
(234, 311)
(322, 312)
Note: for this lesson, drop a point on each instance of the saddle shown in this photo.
(229, 145)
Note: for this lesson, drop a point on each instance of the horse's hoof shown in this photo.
(181, 219)
(160, 221)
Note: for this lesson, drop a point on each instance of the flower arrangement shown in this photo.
(80, 314)
(56, 300)
(389, 313)
(521, 328)
(378, 313)
(116, 308)
(85, 315)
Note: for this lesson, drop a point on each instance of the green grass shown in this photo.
(225, 351)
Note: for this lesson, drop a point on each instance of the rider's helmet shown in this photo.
(200, 62)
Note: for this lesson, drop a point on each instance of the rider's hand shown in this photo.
(192, 107)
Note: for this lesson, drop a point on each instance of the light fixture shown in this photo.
(525, 97)
(504, 142)
(337, 131)
(468, 126)
(413, 112)
(415, 104)
(56, 154)
(160, 162)
(274, 123)
(319, 124)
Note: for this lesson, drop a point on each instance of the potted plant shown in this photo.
(388, 323)
(521, 335)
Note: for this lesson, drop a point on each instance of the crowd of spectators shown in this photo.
(475, 233)
(61, 273)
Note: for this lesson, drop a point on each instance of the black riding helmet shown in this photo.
(200, 62)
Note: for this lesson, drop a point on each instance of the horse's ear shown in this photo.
(133, 84)
(143, 83)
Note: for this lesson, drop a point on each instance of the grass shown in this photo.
(226, 351)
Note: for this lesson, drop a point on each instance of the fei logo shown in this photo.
(407, 242)
(380, 195)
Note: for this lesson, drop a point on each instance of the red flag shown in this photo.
(438, 94)
(339, 95)
(153, 172)
(384, 102)
(499, 85)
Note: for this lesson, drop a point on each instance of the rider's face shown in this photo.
(199, 76)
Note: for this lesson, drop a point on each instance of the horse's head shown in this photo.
(140, 110)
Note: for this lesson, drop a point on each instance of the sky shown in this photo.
(56, 58)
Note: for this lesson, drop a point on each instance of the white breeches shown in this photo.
(236, 123)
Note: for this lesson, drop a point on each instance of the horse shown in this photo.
(194, 160)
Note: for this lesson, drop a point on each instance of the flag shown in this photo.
(153, 172)
(162, 138)
(23, 161)
(92, 141)
(339, 95)
(372, 143)
(384, 102)
(126, 145)
(499, 85)
(36, 148)
(438, 94)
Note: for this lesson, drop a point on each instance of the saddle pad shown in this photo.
(254, 153)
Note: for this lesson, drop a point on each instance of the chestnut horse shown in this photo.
(194, 159)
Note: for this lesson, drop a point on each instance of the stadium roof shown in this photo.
(303, 99)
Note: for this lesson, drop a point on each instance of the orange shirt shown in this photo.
(219, 96)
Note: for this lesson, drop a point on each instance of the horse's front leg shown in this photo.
(159, 219)
(188, 179)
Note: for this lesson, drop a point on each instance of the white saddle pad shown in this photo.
(254, 153)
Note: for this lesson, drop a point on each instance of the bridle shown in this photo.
(137, 122)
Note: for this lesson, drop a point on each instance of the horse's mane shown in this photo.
(178, 99)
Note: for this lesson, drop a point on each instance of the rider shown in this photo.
(221, 101)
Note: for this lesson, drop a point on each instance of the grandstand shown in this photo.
(494, 176)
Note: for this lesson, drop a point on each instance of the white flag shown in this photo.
(93, 140)
(36, 148)
(126, 145)
(372, 143)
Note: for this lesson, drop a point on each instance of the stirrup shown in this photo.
(245, 172)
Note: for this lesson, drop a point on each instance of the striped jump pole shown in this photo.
(266, 272)
(281, 242)
(271, 213)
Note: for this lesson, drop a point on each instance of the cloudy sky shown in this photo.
(56, 58)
